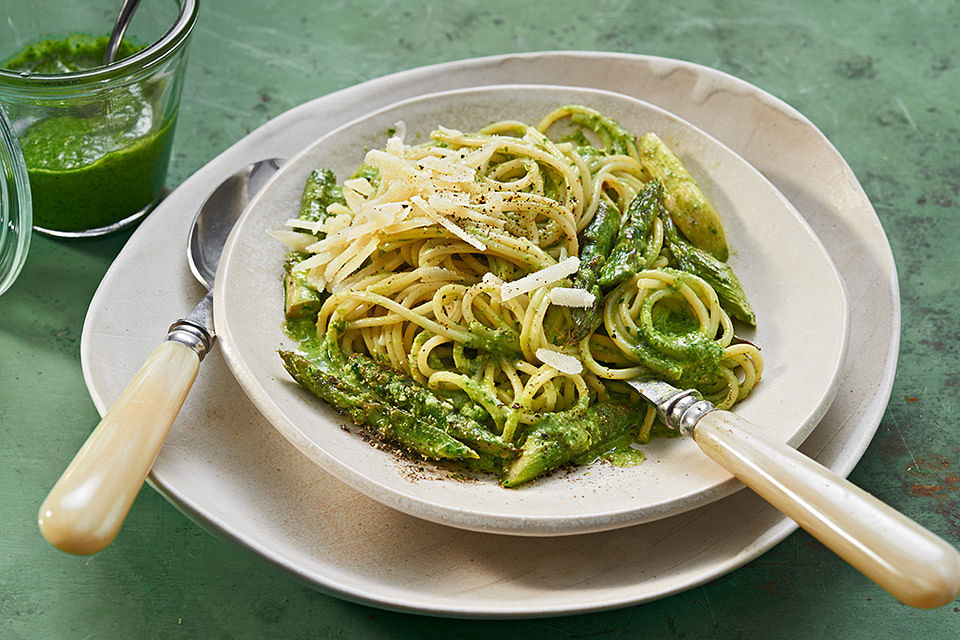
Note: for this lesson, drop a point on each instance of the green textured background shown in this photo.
(880, 79)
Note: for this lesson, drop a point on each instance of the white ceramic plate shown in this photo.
(786, 271)
(229, 470)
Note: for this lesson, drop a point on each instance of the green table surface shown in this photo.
(881, 79)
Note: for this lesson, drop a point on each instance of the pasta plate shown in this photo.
(797, 294)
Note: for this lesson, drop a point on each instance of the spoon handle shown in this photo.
(914, 565)
(84, 510)
(119, 28)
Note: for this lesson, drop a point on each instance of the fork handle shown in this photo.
(914, 565)
(84, 510)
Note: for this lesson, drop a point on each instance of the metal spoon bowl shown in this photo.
(219, 213)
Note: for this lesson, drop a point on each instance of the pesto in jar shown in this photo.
(93, 161)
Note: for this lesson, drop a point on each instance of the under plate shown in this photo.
(228, 469)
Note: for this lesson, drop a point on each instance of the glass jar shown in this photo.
(96, 142)
(15, 213)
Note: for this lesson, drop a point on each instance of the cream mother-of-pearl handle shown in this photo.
(84, 510)
(913, 564)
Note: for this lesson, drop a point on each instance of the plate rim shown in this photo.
(843, 459)
(440, 512)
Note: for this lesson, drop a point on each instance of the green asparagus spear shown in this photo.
(501, 342)
(560, 437)
(691, 211)
(403, 392)
(370, 172)
(717, 274)
(365, 409)
(301, 301)
(463, 405)
(320, 191)
(596, 243)
(626, 258)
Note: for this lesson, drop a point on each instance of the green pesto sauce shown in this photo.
(76, 52)
(619, 453)
(96, 163)
(304, 332)
(674, 324)
(676, 351)
(628, 457)
(300, 330)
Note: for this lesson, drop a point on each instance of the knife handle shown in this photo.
(84, 510)
(914, 565)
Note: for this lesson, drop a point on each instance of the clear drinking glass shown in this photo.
(96, 142)
(15, 212)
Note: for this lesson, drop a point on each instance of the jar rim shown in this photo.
(149, 56)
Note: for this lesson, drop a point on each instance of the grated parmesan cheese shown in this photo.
(314, 261)
(400, 129)
(295, 241)
(360, 185)
(560, 361)
(537, 279)
(336, 223)
(417, 188)
(451, 207)
(395, 146)
(315, 279)
(337, 209)
(570, 297)
(447, 167)
(481, 156)
(353, 199)
(452, 133)
(313, 226)
(424, 206)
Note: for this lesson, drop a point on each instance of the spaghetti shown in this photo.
(474, 265)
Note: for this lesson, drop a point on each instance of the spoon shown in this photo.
(113, 45)
(84, 510)
(910, 562)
